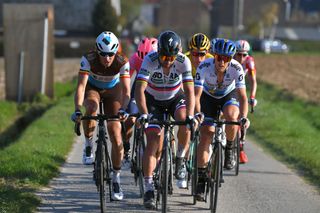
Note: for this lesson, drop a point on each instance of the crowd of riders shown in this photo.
(161, 76)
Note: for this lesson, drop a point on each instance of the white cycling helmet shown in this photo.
(107, 42)
(242, 46)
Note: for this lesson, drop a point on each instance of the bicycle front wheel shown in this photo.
(215, 176)
(100, 173)
(194, 168)
(139, 169)
(164, 180)
(236, 152)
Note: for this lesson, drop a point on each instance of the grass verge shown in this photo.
(289, 128)
(33, 158)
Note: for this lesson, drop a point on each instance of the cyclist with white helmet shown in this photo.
(247, 62)
(104, 73)
(159, 88)
(145, 46)
(199, 46)
(219, 83)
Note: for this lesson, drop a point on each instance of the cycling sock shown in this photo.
(202, 174)
(126, 146)
(116, 176)
(148, 183)
(229, 144)
(181, 152)
(88, 141)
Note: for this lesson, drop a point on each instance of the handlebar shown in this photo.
(221, 122)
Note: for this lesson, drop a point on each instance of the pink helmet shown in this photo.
(242, 46)
(146, 45)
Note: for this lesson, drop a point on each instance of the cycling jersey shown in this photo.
(135, 63)
(194, 69)
(161, 86)
(104, 77)
(207, 78)
(249, 66)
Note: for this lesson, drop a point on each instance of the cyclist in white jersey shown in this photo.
(159, 88)
(219, 83)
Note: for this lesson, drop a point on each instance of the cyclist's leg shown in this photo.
(231, 113)
(91, 103)
(183, 135)
(209, 107)
(131, 109)
(111, 108)
(150, 158)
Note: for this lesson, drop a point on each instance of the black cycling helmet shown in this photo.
(169, 43)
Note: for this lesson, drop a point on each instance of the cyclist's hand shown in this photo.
(245, 122)
(76, 116)
(143, 120)
(123, 114)
(191, 121)
(199, 117)
(253, 102)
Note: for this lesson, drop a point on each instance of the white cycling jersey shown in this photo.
(164, 87)
(207, 78)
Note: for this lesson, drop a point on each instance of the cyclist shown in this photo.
(144, 47)
(104, 73)
(158, 87)
(199, 45)
(247, 62)
(219, 82)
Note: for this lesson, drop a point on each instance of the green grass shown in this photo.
(31, 157)
(289, 128)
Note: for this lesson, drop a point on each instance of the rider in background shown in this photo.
(247, 62)
(104, 73)
(199, 46)
(159, 87)
(219, 83)
(145, 46)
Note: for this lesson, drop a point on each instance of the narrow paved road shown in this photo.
(263, 185)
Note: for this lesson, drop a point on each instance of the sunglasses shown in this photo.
(167, 58)
(242, 54)
(198, 54)
(104, 54)
(223, 58)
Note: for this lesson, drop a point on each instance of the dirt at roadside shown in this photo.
(298, 74)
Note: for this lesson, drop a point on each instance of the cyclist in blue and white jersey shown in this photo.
(159, 87)
(219, 82)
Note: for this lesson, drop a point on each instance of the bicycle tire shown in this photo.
(139, 154)
(194, 173)
(236, 151)
(101, 175)
(164, 180)
(215, 177)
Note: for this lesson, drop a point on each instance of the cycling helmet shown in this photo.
(107, 42)
(169, 43)
(213, 41)
(146, 45)
(242, 46)
(225, 47)
(200, 42)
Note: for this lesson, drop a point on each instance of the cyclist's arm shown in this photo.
(140, 97)
(125, 85)
(243, 102)
(80, 90)
(253, 84)
(189, 93)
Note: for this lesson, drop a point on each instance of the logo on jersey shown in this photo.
(240, 77)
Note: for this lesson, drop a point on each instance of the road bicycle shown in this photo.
(163, 174)
(214, 170)
(192, 164)
(102, 163)
(138, 147)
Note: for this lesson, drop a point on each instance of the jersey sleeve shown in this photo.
(84, 66)
(144, 73)
(239, 78)
(125, 70)
(186, 71)
(250, 65)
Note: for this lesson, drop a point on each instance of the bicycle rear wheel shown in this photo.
(236, 152)
(215, 176)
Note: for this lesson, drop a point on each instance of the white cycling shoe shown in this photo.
(182, 184)
(87, 157)
(117, 193)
